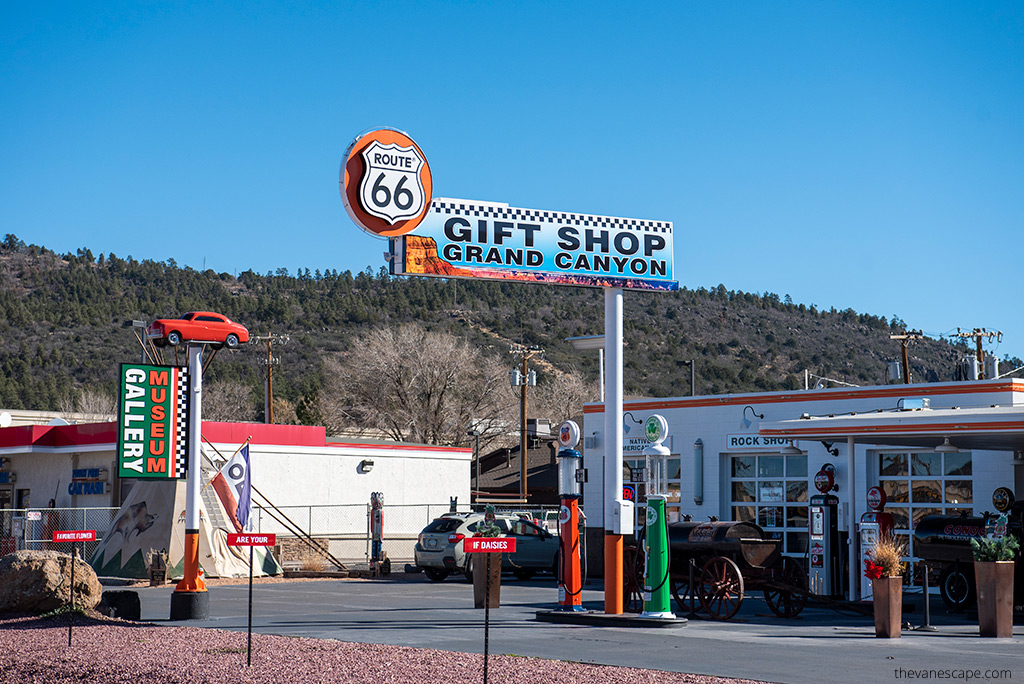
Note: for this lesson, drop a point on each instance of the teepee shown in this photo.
(152, 519)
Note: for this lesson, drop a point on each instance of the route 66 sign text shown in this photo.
(385, 183)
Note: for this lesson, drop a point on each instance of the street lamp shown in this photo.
(476, 457)
(589, 342)
(136, 325)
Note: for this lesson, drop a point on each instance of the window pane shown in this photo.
(771, 491)
(926, 464)
(895, 491)
(673, 491)
(926, 491)
(796, 516)
(743, 491)
(921, 512)
(770, 516)
(743, 513)
(959, 492)
(796, 465)
(900, 519)
(769, 466)
(958, 464)
(743, 466)
(893, 464)
(673, 468)
(796, 491)
(796, 542)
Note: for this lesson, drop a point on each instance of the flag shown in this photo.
(233, 485)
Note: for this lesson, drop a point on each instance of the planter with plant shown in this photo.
(885, 570)
(993, 572)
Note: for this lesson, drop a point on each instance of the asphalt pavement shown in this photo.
(822, 644)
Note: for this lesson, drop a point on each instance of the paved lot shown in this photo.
(820, 645)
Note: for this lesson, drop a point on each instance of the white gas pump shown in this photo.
(874, 524)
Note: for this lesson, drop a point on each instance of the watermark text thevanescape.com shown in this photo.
(964, 674)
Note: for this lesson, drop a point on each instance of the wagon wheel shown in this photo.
(632, 593)
(786, 592)
(720, 588)
(681, 593)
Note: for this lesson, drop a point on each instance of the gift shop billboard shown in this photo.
(386, 187)
(152, 439)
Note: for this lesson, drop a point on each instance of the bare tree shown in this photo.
(88, 401)
(417, 386)
(228, 400)
(561, 397)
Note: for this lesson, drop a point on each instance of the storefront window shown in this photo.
(924, 483)
(771, 490)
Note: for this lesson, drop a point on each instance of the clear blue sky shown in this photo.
(861, 155)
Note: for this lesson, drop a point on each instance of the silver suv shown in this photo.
(439, 549)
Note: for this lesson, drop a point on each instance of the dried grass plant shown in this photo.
(311, 561)
(888, 552)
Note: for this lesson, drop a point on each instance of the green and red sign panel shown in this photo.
(152, 436)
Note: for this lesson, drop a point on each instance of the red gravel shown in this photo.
(106, 651)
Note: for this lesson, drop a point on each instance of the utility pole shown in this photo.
(268, 363)
(977, 334)
(905, 338)
(523, 377)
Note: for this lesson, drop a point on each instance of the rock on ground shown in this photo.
(38, 582)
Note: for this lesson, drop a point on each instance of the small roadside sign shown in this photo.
(74, 535)
(248, 539)
(489, 544)
(35, 515)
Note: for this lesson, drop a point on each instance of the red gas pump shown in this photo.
(570, 585)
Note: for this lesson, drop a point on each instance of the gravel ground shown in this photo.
(105, 651)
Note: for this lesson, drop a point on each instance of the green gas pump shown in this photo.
(656, 565)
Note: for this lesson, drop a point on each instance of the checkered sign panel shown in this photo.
(152, 439)
(474, 239)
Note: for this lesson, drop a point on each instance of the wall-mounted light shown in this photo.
(365, 466)
(746, 421)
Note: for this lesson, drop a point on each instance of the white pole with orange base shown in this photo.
(190, 600)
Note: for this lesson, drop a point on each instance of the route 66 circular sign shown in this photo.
(385, 183)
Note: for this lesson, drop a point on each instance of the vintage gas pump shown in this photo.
(874, 524)
(376, 530)
(570, 474)
(825, 574)
(656, 584)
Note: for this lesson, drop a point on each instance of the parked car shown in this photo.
(439, 548)
(198, 326)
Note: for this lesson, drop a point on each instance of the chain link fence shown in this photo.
(344, 530)
(33, 528)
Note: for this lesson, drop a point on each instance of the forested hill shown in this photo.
(62, 327)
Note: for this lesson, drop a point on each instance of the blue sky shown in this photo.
(865, 155)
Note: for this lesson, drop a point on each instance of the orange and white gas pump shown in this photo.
(570, 474)
(874, 525)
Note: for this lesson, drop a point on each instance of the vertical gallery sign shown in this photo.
(152, 436)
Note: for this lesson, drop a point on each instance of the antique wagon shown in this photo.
(727, 559)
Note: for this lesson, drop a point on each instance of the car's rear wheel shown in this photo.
(174, 338)
(435, 574)
(161, 342)
(468, 572)
(231, 341)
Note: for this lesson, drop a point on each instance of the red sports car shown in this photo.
(198, 326)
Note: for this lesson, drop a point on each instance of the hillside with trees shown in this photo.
(63, 316)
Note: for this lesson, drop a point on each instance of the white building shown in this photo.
(732, 457)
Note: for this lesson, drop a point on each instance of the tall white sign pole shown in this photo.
(614, 509)
(190, 599)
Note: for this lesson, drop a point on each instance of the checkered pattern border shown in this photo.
(181, 425)
(563, 218)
